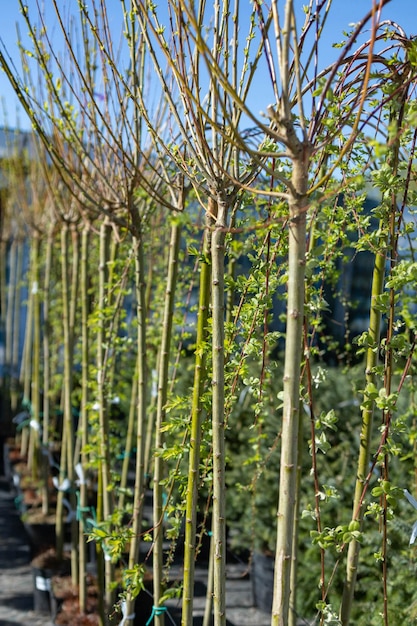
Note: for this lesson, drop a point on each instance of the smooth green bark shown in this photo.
(218, 416)
(372, 357)
(102, 402)
(15, 336)
(285, 556)
(67, 451)
(139, 488)
(35, 421)
(195, 434)
(365, 435)
(85, 240)
(163, 371)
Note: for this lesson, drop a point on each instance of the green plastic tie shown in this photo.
(87, 522)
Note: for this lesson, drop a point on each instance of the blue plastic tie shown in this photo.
(156, 610)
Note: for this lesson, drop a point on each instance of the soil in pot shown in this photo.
(66, 606)
(31, 497)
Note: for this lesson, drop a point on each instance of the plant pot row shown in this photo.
(64, 607)
(39, 526)
(55, 594)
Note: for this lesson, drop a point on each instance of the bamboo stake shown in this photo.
(83, 502)
(35, 422)
(67, 452)
(102, 401)
(138, 495)
(396, 118)
(196, 419)
(15, 337)
(46, 364)
(164, 358)
(26, 367)
(129, 440)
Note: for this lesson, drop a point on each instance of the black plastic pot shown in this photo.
(144, 604)
(44, 567)
(40, 536)
(41, 589)
(262, 576)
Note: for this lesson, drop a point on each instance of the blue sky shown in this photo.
(344, 12)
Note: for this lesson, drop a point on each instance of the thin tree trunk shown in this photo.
(35, 422)
(75, 258)
(366, 434)
(164, 355)
(377, 289)
(140, 288)
(292, 616)
(102, 400)
(84, 415)
(67, 452)
(195, 437)
(10, 308)
(16, 334)
(26, 363)
(12, 336)
(46, 435)
(129, 440)
(150, 423)
(114, 301)
(218, 418)
(292, 369)
(208, 607)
